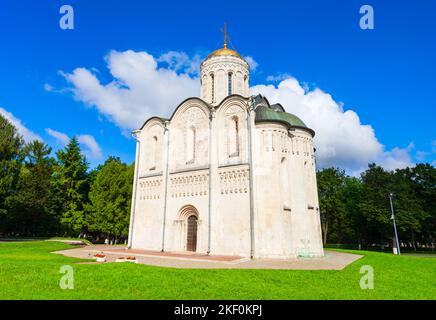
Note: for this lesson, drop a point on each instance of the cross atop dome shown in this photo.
(224, 31)
(225, 51)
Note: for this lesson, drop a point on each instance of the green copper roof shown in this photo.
(268, 114)
(276, 113)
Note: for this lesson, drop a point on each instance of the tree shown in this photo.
(423, 179)
(30, 206)
(377, 184)
(416, 189)
(110, 197)
(70, 184)
(409, 211)
(353, 222)
(330, 186)
(11, 156)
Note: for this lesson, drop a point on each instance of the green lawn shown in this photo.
(29, 271)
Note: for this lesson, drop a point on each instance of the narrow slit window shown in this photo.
(234, 137)
(230, 83)
(190, 145)
(285, 183)
(154, 150)
(212, 93)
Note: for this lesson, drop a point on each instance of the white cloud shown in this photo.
(341, 139)
(142, 88)
(253, 63)
(397, 158)
(48, 87)
(139, 88)
(27, 134)
(59, 136)
(278, 77)
(92, 150)
(181, 62)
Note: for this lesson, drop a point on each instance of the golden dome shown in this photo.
(224, 52)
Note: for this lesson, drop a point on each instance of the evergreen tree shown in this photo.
(71, 186)
(11, 156)
(31, 204)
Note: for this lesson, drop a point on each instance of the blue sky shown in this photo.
(385, 76)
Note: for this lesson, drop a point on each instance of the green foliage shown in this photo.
(71, 185)
(11, 156)
(29, 271)
(330, 188)
(109, 198)
(30, 206)
(43, 196)
(357, 211)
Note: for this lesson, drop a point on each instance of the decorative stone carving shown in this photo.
(234, 180)
(193, 115)
(150, 188)
(189, 185)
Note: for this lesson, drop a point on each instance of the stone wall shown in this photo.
(208, 175)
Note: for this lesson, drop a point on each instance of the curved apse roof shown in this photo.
(276, 113)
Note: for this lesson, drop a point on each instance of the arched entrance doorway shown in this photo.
(188, 231)
(191, 239)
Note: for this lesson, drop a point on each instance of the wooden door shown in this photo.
(191, 241)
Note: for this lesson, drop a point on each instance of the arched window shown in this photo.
(204, 87)
(212, 86)
(234, 137)
(190, 145)
(285, 188)
(230, 82)
(153, 153)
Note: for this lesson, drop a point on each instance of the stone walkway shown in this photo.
(331, 261)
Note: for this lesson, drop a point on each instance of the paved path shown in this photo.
(331, 261)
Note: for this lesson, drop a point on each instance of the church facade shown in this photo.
(226, 174)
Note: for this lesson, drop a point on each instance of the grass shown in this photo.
(21, 239)
(29, 271)
(86, 241)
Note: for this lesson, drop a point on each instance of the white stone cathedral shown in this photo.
(226, 174)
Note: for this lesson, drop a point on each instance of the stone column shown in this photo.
(213, 176)
(135, 183)
(251, 160)
(166, 147)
